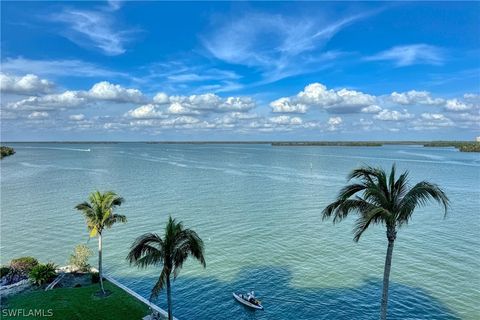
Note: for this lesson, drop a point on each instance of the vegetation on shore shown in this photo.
(464, 146)
(6, 151)
(474, 147)
(328, 143)
(77, 303)
(378, 198)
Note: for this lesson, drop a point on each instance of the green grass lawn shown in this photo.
(77, 303)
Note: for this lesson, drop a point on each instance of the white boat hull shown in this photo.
(245, 302)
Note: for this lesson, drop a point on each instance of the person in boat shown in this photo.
(251, 298)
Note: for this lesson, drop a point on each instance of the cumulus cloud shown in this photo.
(147, 111)
(161, 98)
(285, 105)
(414, 97)
(102, 91)
(429, 121)
(201, 104)
(113, 92)
(29, 84)
(408, 55)
(434, 116)
(334, 123)
(333, 101)
(371, 109)
(456, 105)
(286, 120)
(38, 115)
(77, 117)
(393, 115)
(67, 99)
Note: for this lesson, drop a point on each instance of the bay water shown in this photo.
(258, 210)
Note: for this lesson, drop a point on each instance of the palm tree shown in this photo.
(98, 213)
(170, 253)
(377, 199)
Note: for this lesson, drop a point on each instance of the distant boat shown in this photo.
(249, 300)
(88, 150)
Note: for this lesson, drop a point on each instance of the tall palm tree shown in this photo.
(377, 199)
(170, 252)
(99, 215)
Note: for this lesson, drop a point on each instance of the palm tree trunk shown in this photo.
(100, 271)
(391, 234)
(169, 298)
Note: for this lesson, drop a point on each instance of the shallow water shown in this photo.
(257, 208)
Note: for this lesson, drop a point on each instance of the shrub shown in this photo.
(43, 273)
(79, 258)
(23, 265)
(4, 270)
(95, 277)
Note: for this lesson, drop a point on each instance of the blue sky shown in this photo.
(240, 70)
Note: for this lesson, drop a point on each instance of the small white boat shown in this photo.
(249, 300)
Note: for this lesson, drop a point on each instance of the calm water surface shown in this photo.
(257, 208)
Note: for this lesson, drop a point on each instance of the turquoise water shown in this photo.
(257, 208)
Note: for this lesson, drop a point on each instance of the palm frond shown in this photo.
(420, 195)
(340, 209)
(187, 243)
(376, 215)
(159, 285)
(148, 249)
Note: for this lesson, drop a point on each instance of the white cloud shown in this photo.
(208, 74)
(38, 115)
(434, 116)
(285, 105)
(393, 115)
(77, 117)
(371, 109)
(333, 101)
(29, 84)
(430, 121)
(334, 123)
(411, 54)
(472, 97)
(147, 111)
(70, 68)
(240, 104)
(286, 120)
(113, 92)
(456, 105)
(161, 98)
(67, 99)
(178, 108)
(97, 29)
(241, 40)
(414, 97)
(102, 91)
(202, 103)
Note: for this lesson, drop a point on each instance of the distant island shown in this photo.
(463, 146)
(6, 151)
(328, 143)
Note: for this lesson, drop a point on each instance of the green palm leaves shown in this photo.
(99, 215)
(378, 198)
(98, 211)
(169, 252)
